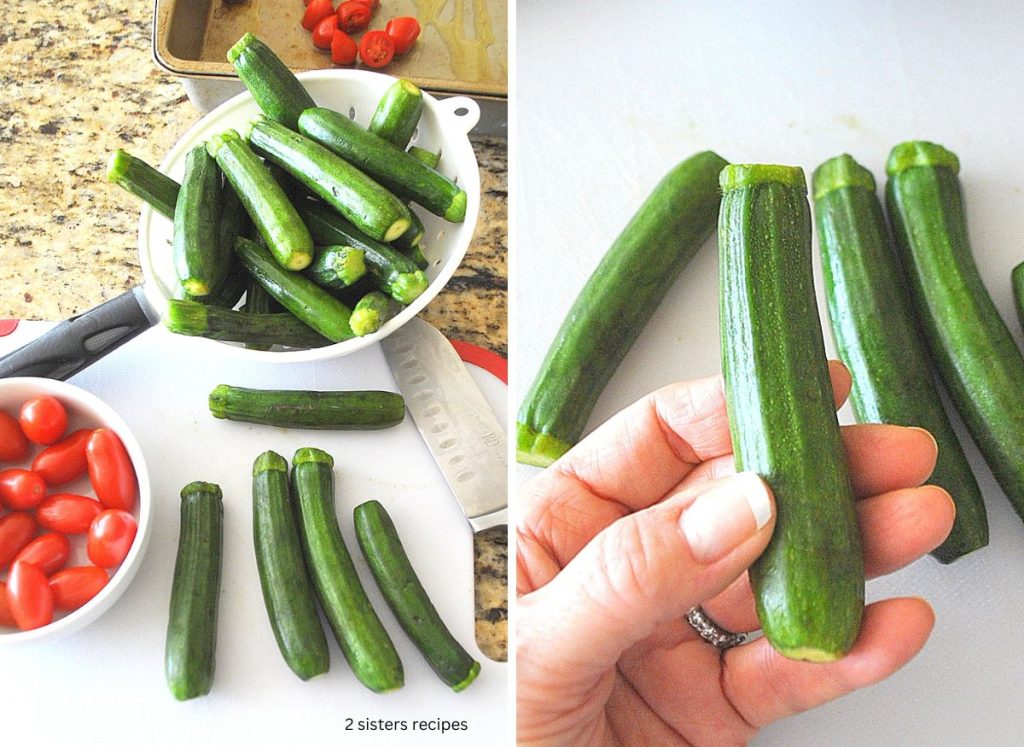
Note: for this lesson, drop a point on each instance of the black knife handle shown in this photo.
(81, 340)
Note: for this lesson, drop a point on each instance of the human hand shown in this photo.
(645, 519)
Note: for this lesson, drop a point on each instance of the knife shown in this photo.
(459, 427)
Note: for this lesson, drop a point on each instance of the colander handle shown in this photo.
(463, 110)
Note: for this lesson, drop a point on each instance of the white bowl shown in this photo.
(84, 410)
(444, 126)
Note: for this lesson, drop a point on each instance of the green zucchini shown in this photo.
(413, 236)
(877, 337)
(309, 302)
(185, 317)
(273, 86)
(287, 591)
(337, 267)
(1017, 280)
(258, 301)
(612, 307)
(370, 313)
(809, 582)
(359, 632)
(428, 157)
(407, 598)
(415, 253)
(348, 410)
(226, 296)
(976, 355)
(198, 259)
(195, 593)
(274, 216)
(391, 166)
(140, 179)
(398, 113)
(355, 195)
(395, 274)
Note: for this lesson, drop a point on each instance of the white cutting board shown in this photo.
(611, 97)
(159, 383)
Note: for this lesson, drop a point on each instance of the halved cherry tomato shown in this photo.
(16, 531)
(343, 48)
(21, 488)
(65, 460)
(13, 444)
(353, 17)
(324, 32)
(316, 11)
(376, 49)
(6, 618)
(43, 419)
(50, 552)
(403, 31)
(374, 4)
(29, 597)
(110, 470)
(73, 587)
(68, 513)
(110, 537)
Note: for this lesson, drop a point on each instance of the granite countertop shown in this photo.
(80, 83)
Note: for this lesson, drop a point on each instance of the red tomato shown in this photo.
(16, 531)
(68, 513)
(324, 32)
(20, 488)
(49, 552)
(110, 470)
(316, 11)
(73, 587)
(65, 460)
(29, 596)
(110, 537)
(374, 4)
(43, 419)
(343, 48)
(6, 618)
(13, 444)
(376, 49)
(353, 17)
(403, 32)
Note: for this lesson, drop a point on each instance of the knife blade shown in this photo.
(459, 427)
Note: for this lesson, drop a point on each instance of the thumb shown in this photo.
(647, 568)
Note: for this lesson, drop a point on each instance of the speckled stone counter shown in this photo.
(78, 82)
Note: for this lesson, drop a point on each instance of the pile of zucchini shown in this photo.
(305, 214)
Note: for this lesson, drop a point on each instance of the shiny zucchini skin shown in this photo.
(336, 411)
(809, 582)
(877, 337)
(137, 177)
(201, 262)
(613, 306)
(287, 591)
(976, 355)
(188, 317)
(273, 86)
(398, 113)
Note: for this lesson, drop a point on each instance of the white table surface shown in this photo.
(611, 95)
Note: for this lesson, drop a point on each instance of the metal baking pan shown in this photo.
(462, 50)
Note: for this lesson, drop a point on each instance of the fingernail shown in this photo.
(726, 515)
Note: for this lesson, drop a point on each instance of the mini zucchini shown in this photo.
(398, 113)
(337, 267)
(976, 355)
(284, 233)
(359, 632)
(393, 167)
(186, 317)
(407, 598)
(273, 86)
(190, 655)
(287, 591)
(413, 236)
(200, 261)
(286, 408)
(137, 177)
(809, 582)
(429, 158)
(370, 313)
(877, 337)
(225, 297)
(612, 307)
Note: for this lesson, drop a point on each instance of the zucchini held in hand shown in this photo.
(285, 408)
(809, 582)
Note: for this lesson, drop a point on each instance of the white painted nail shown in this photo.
(726, 515)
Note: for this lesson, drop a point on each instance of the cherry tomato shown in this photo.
(343, 48)
(6, 618)
(376, 49)
(43, 419)
(110, 537)
(13, 444)
(324, 32)
(21, 489)
(110, 470)
(29, 596)
(68, 513)
(65, 460)
(50, 552)
(73, 587)
(403, 31)
(353, 17)
(374, 4)
(16, 530)
(316, 11)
